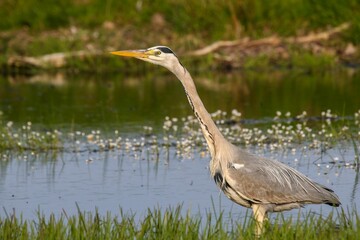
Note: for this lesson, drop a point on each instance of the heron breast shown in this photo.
(220, 181)
(231, 193)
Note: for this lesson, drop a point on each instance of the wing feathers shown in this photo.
(270, 181)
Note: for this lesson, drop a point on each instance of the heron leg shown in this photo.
(260, 217)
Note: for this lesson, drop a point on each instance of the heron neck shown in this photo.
(210, 131)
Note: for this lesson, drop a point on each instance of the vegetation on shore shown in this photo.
(284, 132)
(171, 223)
(92, 28)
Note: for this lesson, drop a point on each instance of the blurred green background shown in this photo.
(34, 28)
(205, 18)
(37, 27)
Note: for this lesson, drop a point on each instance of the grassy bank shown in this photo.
(36, 28)
(172, 224)
(205, 19)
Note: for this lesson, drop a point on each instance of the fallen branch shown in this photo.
(215, 46)
(56, 60)
(273, 40)
(319, 36)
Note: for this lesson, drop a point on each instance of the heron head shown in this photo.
(160, 55)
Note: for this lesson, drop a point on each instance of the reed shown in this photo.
(174, 223)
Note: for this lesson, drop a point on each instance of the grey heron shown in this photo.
(251, 181)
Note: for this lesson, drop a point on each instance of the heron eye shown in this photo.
(157, 53)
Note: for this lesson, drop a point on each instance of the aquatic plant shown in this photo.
(175, 223)
(25, 138)
(283, 132)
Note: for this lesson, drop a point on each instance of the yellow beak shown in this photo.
(131, 53)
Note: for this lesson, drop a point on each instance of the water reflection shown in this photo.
(134, 181)
(108, 100)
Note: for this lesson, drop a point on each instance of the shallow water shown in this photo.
(134, 181)
(119, 179)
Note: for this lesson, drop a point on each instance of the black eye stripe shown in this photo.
(165, 50)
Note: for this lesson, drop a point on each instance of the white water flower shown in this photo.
(236, 113)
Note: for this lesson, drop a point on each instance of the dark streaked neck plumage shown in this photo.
(208, 127)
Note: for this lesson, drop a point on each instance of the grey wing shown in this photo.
(261, 180)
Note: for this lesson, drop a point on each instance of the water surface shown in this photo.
(53, 182)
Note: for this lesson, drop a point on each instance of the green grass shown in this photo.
(37, 27)
(227, 17)
(172, 223)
